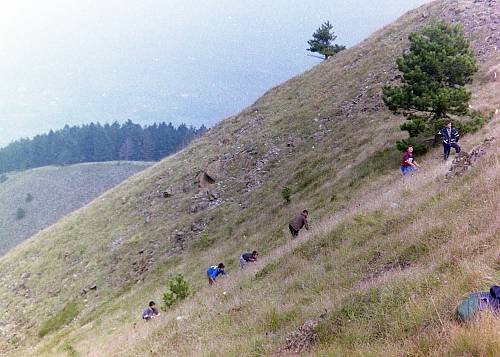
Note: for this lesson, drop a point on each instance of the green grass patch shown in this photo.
(432, 238)
(204, 242)
(59, 320)
(377, 313)
(378, 164)
(412, 253)
(275, 319)
(309, 177)
(69, 349)
(358, 230)
(267, 269)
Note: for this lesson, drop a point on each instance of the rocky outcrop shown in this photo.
(169, 192)
(481, 16)
(301, 340)
(464, 161)
(203, 179)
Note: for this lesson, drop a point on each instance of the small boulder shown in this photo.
(198, 206)
(179, 236)
(203, 179)
(212, 195)
(169, 192)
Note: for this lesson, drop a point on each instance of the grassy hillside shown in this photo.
(380, 273)
(49, 193)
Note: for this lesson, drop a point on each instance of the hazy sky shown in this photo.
(76, 61)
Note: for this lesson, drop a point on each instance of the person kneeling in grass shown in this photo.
(150, 312)
(214, 271)
(408, 164)
(246, 258)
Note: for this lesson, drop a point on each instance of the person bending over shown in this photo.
(214, 271)
(246, 258)
(150, 312)
(299, 221)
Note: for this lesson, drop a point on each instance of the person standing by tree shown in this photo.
(450, 139)
(434, 72)
(322, 41)
(299, 221)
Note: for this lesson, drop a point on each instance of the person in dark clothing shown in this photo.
(150, 312)
(408, 164)
(214, 271)
(450, 139)
(246, 258)
(298, 222)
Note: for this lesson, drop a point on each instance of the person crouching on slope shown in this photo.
(246, 258)
(408, 164)
(214, 271)
(450, 139)
(150, 312)
(298, 222)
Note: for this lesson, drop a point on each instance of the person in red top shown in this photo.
(408, 164)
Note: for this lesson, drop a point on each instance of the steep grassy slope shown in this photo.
(380, 278)
(381, 258)
(49, 193)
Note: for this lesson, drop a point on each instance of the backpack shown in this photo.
(472, 305)
(477, 302)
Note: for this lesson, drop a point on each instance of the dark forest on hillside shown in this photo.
(95, 142)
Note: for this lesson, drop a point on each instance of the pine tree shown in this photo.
(322, 41)
(127, 150)
(435, 69)
(148, 146)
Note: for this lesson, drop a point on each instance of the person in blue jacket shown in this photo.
(214, 271)
(450, 139)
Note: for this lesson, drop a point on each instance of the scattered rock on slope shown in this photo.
(464, 161)
(302, 339)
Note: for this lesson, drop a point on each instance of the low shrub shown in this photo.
(286, 193)
(476, 122)
(204, 242)
(69, 349)
(177, 290)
